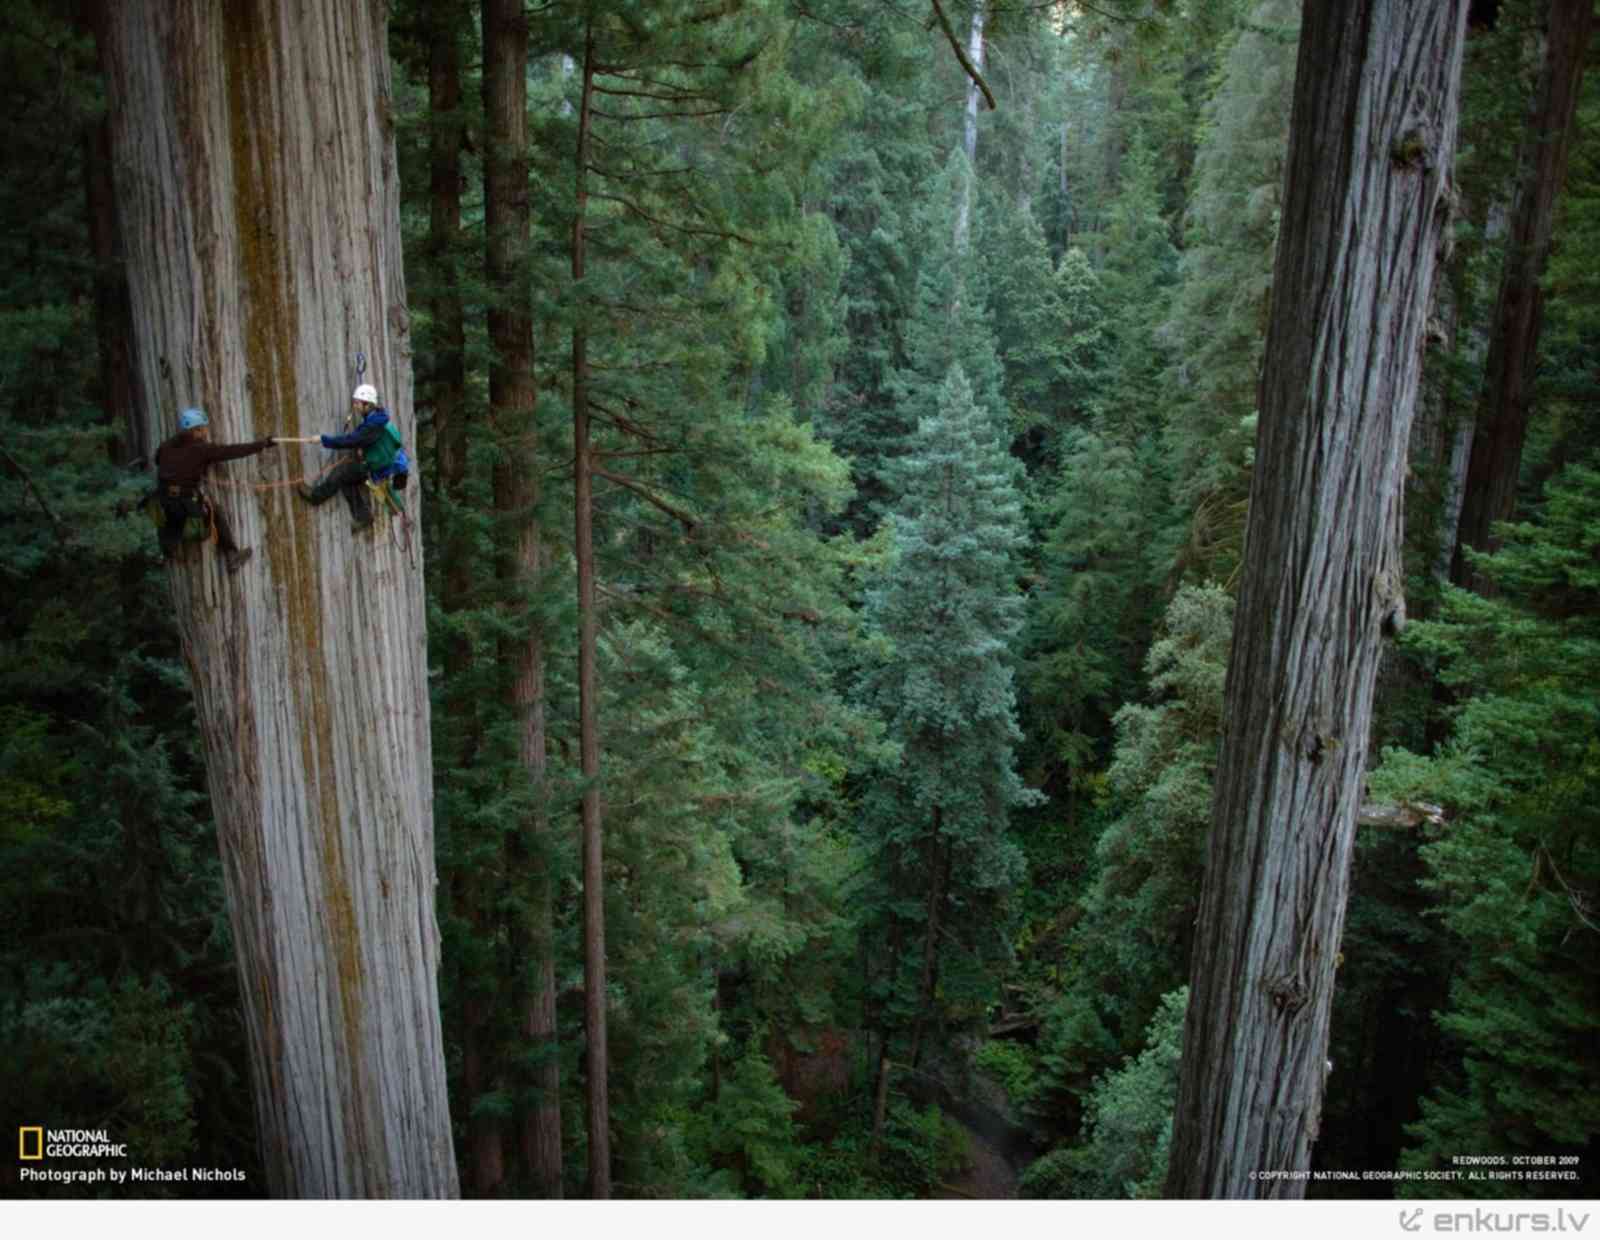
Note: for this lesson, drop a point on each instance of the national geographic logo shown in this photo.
(39, 1143)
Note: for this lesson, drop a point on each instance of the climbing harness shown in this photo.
(386, 502)
(165, 504)
(379, 458)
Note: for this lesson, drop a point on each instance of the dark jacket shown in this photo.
(183, 460)
(379, 443)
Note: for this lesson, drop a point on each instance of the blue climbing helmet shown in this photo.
(191, 418)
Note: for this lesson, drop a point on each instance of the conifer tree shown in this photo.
(1047, 328)
(676, 208)
(946, 610)
(948, 325)
(1085, 628)
(1137, 270)
(1514, 865)
(878, 179)
(1493, 470)
(1218, 320)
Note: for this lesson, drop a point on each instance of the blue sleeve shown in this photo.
(364, 436)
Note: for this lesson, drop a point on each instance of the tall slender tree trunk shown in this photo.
(1496, 462)
(938, 871)
(255, 176)
(486, 1155)
(541, 1123)
(594, 904)
(447, 375)
(113, 313)
(880, 1089)
(445, 392)
(513, 396)
(1366, 209)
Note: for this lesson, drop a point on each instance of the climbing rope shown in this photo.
(233, 485)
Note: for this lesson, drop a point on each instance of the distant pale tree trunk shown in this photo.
(969, 142)
(256, 180)
(1365, 215)
(1496, 462)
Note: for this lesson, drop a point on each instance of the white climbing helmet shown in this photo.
(367, 393)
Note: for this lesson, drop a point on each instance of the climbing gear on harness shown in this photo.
(191, 418)
(366, 392)
(386, 501)
(182, 507)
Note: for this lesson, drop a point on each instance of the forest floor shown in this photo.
(988, 1176)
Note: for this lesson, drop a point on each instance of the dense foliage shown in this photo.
(923, 451)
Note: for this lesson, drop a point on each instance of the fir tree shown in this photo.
(945, 612)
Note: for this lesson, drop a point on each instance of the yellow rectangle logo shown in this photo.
(22, 1144)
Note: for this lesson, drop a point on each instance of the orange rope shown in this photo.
(267, 486)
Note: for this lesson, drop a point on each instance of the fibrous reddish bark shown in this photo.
(255, 175)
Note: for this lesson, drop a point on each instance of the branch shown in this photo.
(1130, 19)
(658, 116)
(961, 54)
(61, 530)
(1398, 816)
(624, 423)
(689, 523)
(641, 172)
(617, 456)
(632, 207)
(677, 96)
(1582, 905)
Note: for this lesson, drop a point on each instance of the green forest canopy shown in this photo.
(916, 557)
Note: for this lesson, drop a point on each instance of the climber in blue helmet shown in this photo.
(181, 465)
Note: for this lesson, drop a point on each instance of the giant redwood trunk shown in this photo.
(1372, 142)
(256, 179)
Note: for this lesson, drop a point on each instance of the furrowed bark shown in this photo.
(1366, 211)
(255, 175)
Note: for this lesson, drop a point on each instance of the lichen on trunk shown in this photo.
(255, 174)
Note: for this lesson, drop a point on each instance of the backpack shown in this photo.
(386, 456)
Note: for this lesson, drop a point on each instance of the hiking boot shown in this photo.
(235, 560)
